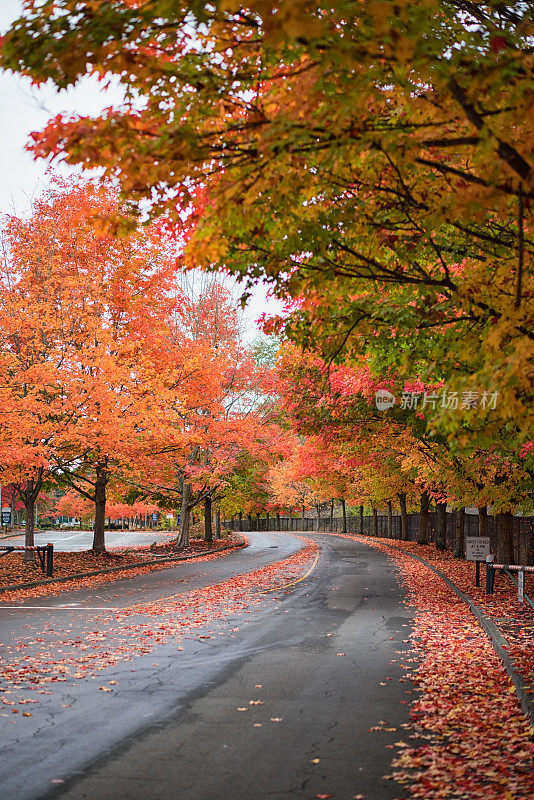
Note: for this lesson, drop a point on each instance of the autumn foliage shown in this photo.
(117, 383)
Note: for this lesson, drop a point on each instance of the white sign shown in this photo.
(477, 548)
(169, 516)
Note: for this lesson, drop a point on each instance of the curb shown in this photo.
(108, 570)
(498, 640)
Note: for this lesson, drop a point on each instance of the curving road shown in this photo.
(322, 658)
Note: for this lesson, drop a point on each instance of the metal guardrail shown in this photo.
(521, 570)
(45, 553)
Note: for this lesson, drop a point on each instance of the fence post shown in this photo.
(490, 574)
(521, 585)
(50, 560)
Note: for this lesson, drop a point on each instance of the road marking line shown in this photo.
(294, 583)
(61, 608)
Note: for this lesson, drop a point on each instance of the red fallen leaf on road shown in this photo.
(277, 719)
(255, 702)
(323, 796)
(340, 654)
(105, 689)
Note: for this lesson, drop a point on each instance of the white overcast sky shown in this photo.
(26, 109)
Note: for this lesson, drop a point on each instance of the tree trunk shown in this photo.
(257, 522)
(277, 526)
(344, 515)
(303, 512)
(240, 516)
(459, 533)
(99, 537)
(505, 538)
(422, 537)
(29, 522)
(218, 524)
(318, 510)
(390, 520)
(405, 522)
(374, 527)
(208, 529)
(185, 512)
(249, 517)
(361, 519)
(267, 521)
(441, 538)
(331, 515)
(482, 521)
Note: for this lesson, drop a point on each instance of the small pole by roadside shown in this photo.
(490, 574)
(50, 560)
(521, 585)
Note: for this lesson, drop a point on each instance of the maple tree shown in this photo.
(80, 330)
(211, 396)
(71, 504)
(291, 488)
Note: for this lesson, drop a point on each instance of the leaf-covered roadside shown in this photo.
(14, 570)
(477, 740)
(516, 620)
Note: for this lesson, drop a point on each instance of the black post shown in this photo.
(477, 573)
(50, 560)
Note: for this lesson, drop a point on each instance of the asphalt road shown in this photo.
(322, 658)
(74, 541)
